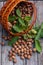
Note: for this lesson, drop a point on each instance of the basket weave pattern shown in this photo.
(6, 10)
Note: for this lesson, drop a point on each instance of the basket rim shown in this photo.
(31, 25)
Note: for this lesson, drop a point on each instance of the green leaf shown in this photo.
(27, 18)
(17, 28)
(38, 46)
(42, 25)
(13, 40)
(39, 32)
(21, 21)
(41, 35)
(11, 18)
(18, 12)
(37, 28)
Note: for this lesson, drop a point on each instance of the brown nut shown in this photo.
(28, 56)
(22, 17)
(30, 46)
(14, 60)
(30, 43)
(27, 48)
(20, 37)
(22, 57)
(19, 47)
(14, 46)
(14, 22)
(22, 54)
(15, 51)
(22, 50)
(23, 41)
(25, 55)
(9, 24)
(26, 9)
(13, 54)
(10, 55)
(13, 57)
(19, 41)
(10, 58)
(34, 49)
(28, 5)
(19, 54)
(30, 50)
(12, 49)
(25, 52)
(2, 43)
(25, 45)
(30, 53)
(8, 37)
(29, 40)
(5, 38)
(18, 51)
(22, 46)
(16, 43)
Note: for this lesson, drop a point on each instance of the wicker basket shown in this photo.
(6, 10)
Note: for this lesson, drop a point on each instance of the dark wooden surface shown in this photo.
(36, 59)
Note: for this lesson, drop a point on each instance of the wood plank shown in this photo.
(5, 50)
(40, 56)
(19, 61)
(5, 60)
(39, 5)
(38, 61)
(1, 4)
(32, 60)
(0, 41)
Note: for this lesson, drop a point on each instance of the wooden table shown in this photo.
(36, 59)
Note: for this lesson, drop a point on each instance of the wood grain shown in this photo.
(40, 56)
(33, 59)
(0, 42)
(36, 59)
(19, 61)
(1, 4)
(5, 50)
